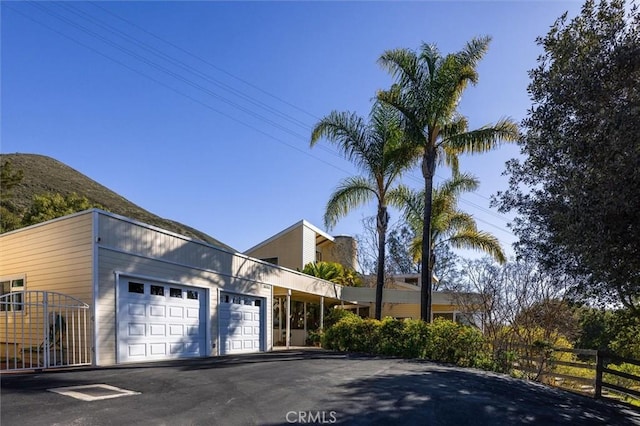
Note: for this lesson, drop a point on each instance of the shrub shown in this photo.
(455, 343)
(353, 334)
(443, 340)
(391, 337)
(336, 315)
(416, 333)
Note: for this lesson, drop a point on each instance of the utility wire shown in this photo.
(239, 93)
(196, 85)
(305, 152)
(95, 4)
(113, 30)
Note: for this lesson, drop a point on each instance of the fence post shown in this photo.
(599, 367)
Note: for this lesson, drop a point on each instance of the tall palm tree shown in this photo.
(449, 225)
(379, 149)
(426, 92)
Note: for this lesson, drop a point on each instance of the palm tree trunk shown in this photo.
(383, 220)
(426, 272)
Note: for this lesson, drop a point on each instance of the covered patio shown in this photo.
(297, 313)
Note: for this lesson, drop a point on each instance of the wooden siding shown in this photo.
(286, 248)
(54, 256)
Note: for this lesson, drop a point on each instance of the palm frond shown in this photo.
(402, 64)
(345, 129)
(478, 240)
(458, 184)
(474, 50)
(431, 56)
(483, 139)
(352, 192)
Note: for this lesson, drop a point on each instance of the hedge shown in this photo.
(441, 341)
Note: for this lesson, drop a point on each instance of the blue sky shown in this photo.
(201, 111)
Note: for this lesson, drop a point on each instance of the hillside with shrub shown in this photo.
(46, 176)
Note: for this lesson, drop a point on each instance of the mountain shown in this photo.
(44, 174)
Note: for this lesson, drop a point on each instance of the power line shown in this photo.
(193, 55)
(305, 152)
(197, 86)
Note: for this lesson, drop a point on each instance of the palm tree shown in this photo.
(334, 272)
(449, 225)
(426, 93)
(379, 149)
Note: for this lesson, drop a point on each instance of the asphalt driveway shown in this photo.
(292, 387)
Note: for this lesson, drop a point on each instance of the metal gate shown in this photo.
(41, 329)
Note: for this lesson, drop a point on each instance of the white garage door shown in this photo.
(160, 321)
(241, 328)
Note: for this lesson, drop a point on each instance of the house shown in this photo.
(101, 289)
(302, 243)
(96, 288)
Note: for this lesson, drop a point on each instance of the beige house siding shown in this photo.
(287, 249)
(55, 256)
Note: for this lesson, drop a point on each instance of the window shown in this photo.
(136, 287)
(175, 292)
(14, 288)
(192, 294)
(157, 290)
(272, 260)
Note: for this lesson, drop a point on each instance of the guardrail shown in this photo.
(601, 380)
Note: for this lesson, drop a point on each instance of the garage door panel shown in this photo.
(157, 311)
(176, 330)
(157, 329)
(154, 327)
(176, 312)
(136, 329)
(157, 349)
(137, 350)
(136, 309)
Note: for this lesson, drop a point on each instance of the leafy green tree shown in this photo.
(596, 331)
(9, 214)
(399, 259)
(380, 150)
(575, 191)
(450, 226)
(334, 272)
(617, 331)
(50, 206)
(426, 92)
